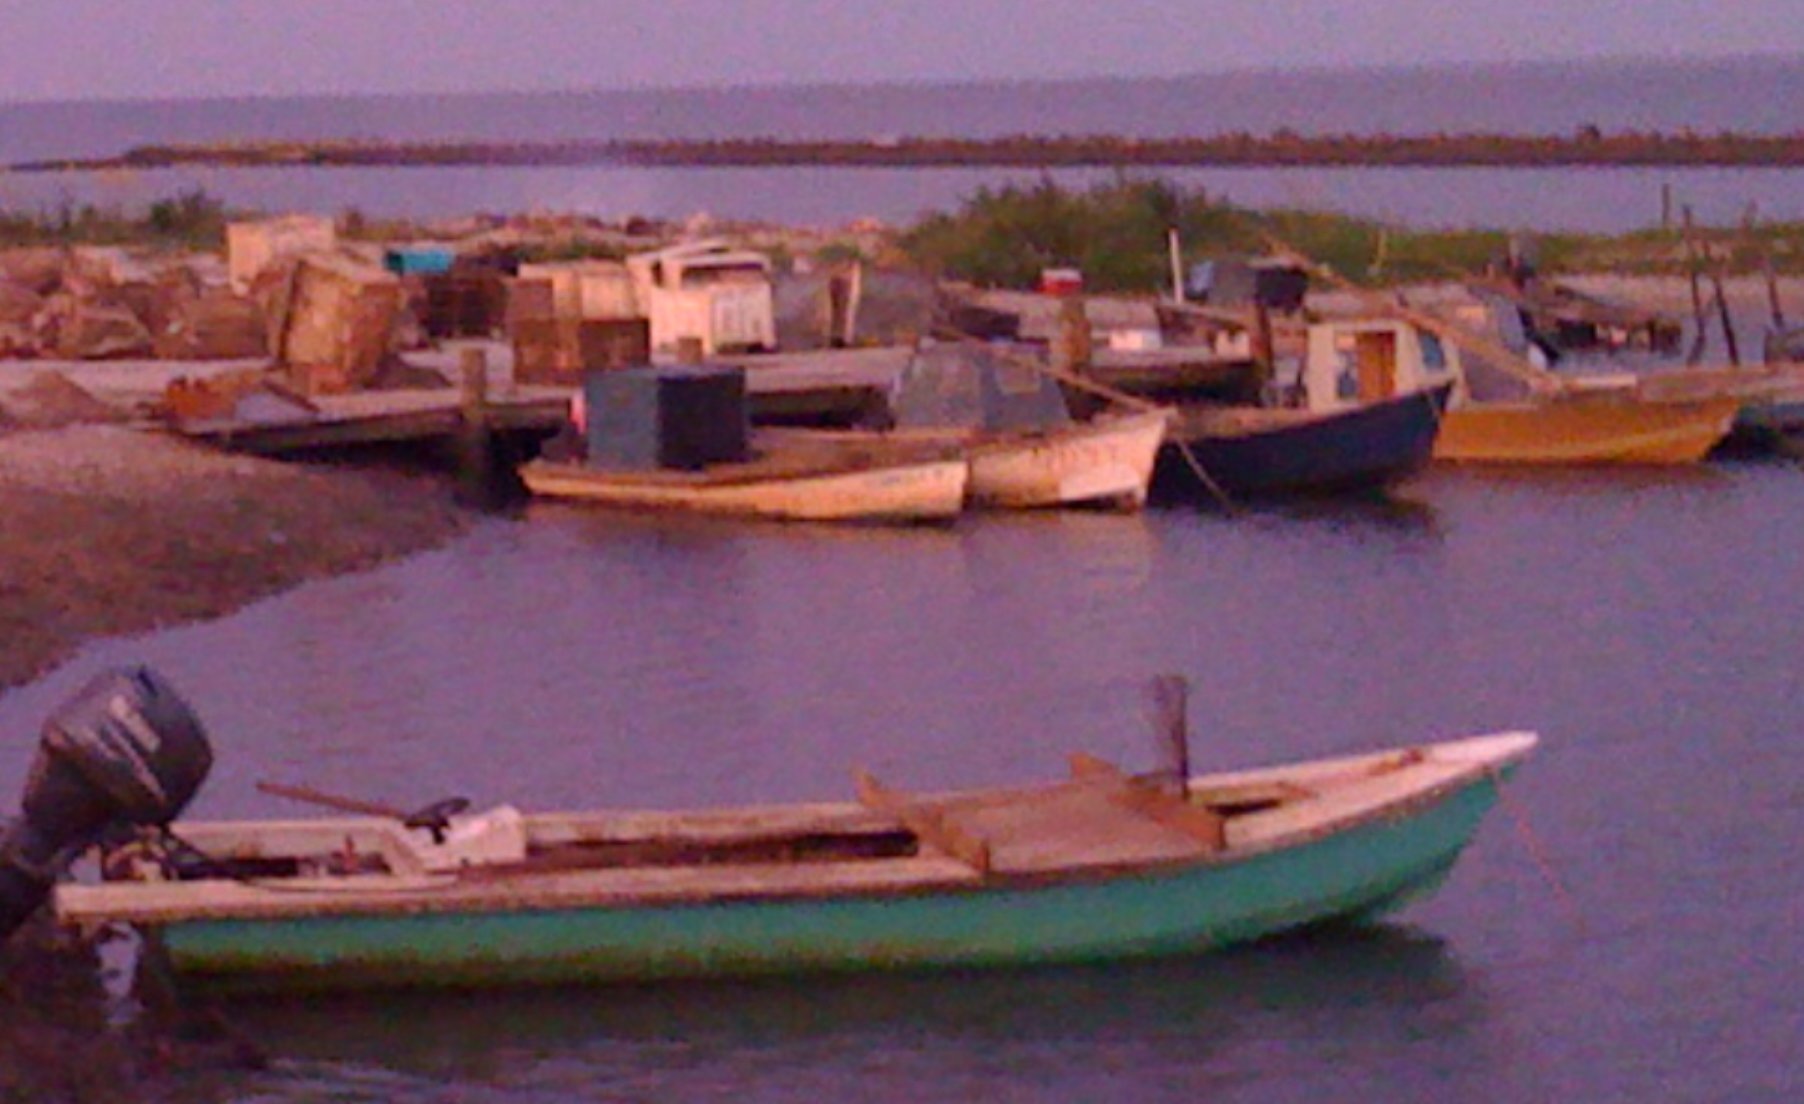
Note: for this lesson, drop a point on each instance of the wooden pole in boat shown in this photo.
(1264, 353)
(1171, 716)
(434, 818)
(1063, 375)
(1177, 264)
(330, 801)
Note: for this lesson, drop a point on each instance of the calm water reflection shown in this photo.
(1204, 1024)
(1648, 624)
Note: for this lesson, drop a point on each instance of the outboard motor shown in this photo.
(125, 751)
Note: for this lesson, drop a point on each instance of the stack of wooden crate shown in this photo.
(566, 318)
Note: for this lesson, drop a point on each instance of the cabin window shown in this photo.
(716, 275)
(1434, 355)
(1346, 373)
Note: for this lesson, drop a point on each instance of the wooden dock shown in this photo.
(834, 386)
(825, 387)
(386, 417)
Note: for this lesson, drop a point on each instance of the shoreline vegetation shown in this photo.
(1003, 236)
(1587, 146)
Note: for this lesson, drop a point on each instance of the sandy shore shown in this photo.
(109, 530)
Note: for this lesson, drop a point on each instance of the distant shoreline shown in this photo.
(1282, 149)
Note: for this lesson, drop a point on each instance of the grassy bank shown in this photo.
(189, 220)
(1116, 233)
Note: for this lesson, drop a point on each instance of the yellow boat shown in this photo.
(1557, 423)
(1585, 429)
(787, 477)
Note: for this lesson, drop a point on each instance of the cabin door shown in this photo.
(1375, 357)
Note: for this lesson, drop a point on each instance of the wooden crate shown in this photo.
(560, 350)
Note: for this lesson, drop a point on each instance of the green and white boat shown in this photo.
(1098, 866)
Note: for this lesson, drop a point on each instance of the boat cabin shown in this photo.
(708, 294)
(1350, 362)
(970, 386)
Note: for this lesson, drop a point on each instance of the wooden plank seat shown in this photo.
(1096, 820)
(1145, 797)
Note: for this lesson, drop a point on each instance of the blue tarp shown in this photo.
(418, 260)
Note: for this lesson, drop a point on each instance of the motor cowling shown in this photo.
(126, 750)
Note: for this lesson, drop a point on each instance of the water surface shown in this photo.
(1626, 926)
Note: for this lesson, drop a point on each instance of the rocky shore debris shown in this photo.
(100, 303)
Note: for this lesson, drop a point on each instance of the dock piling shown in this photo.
(475, 451)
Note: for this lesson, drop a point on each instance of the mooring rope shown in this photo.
(1532, 844)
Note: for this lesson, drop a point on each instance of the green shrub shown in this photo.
(1115, 233)
(191, 219)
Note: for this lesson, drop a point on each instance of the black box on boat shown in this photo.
(1276, 285)
(666, 417)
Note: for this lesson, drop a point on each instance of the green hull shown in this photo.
(1360, 873)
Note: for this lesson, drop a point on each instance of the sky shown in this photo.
(139, 49)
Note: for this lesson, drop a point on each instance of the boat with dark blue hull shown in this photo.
(1236, 453)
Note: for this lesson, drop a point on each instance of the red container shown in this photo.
(1061, 281)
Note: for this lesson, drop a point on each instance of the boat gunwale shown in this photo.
(927, 492)
(722, 477)
(449, 892)
(1276, 421)
(971, 442)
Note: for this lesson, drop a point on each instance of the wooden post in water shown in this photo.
(839, 293)
(848, 336)
(1772, 291)
(475, 445)
(1750, 232)
(1692, 269)
(1072, 350)
(1722, 311)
